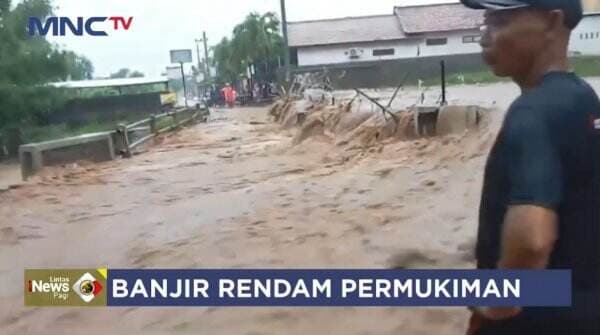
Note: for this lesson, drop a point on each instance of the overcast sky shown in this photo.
(159, 26)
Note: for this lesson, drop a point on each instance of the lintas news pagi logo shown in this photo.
(87, 287)
(65, 287)
(79, 26)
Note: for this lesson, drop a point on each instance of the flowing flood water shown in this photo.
(235, 193)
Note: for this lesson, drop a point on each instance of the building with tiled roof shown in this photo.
(439, 30)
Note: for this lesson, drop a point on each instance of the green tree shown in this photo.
(126, 73)
(136, 74)
(28, 64)
(4, 6)
(256, 42)
(79, 67)
(122, 73)
(228, 69)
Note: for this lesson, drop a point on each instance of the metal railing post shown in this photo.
(153, 124)
(125, 138)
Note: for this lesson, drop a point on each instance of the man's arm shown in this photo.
(528, 237)
(530, 226)
(536, 181)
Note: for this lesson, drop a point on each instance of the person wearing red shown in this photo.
(230, 95)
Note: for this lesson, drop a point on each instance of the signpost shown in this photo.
(174, 72)
(182, 56)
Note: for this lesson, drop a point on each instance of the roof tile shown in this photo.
(441, 17)
(344, 30)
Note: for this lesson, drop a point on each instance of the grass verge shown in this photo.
(585, 66)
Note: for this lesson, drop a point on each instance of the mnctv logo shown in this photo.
(80, 26)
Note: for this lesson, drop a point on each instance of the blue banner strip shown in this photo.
(548, 288)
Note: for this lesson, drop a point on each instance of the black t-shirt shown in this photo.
(548, 154)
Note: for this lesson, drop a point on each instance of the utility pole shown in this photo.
(286, 49)
(207, 76)
(198, 53)
(184, 88)
(198, 93)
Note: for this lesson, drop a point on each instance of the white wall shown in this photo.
(590, 25)
(335, 54)
(407, 48)
(454, 46)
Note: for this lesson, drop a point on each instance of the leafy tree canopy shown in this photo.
(28, 64)
(255, 42)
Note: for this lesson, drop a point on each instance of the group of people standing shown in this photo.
(228, 95)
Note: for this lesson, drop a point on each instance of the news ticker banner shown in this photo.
(301, 288)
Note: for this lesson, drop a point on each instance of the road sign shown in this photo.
(181, 56)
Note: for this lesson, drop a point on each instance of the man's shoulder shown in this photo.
(557, 100)
(559, 87)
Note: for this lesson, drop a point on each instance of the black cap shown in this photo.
(572, 8)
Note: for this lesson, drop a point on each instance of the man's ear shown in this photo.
(556, 21)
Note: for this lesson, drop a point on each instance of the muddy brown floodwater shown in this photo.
(235, 193)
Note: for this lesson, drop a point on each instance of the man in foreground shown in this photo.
(540, 205)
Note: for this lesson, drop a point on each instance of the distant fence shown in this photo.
(128, 137)
(109, 108)
(389, 73)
